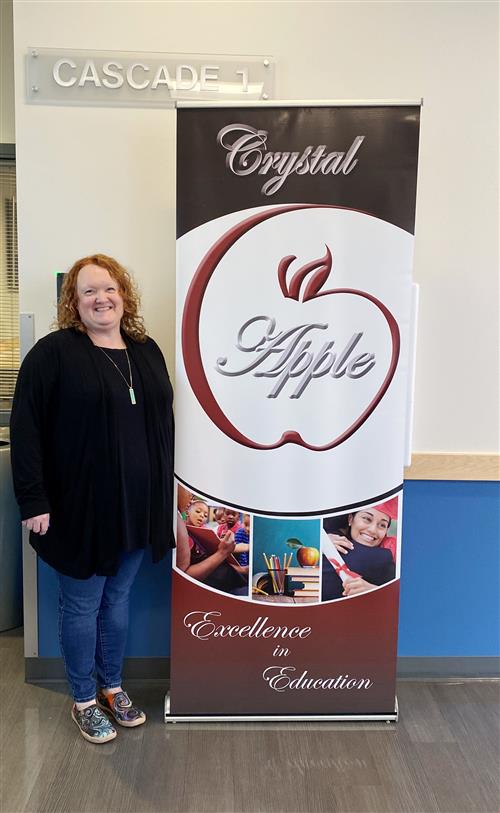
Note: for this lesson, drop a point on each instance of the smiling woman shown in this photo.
(92, 457)
(99, 283)
(365, 551)
(99, 300)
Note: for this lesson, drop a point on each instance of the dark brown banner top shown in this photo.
(362, 158)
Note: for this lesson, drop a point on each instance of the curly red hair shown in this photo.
(67, 309)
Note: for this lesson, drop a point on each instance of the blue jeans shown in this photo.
(93, 627)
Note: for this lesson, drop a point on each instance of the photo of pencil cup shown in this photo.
(279, 579)
(277, 573)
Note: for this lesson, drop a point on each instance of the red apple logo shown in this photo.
(311, 278)
(307, 557)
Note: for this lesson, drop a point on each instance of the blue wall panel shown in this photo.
(449, 580)
(450, 569)
(149, 631)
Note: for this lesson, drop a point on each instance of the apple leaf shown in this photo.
(294, 543)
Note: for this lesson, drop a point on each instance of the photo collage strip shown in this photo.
(286, 560)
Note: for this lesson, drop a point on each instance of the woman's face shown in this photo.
(198, 514)
(100, 303)
(368, 527)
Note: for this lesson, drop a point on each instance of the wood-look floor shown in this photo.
(442, 756)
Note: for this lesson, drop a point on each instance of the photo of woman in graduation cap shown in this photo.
(359, 550)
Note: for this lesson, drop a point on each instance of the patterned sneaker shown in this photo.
(93, 724)
(119, 706)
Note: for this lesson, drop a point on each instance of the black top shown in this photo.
(68, 441)
(133, 456)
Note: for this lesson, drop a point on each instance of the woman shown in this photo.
(365, 547)
(92, 457)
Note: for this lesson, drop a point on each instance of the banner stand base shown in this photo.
(271, 718)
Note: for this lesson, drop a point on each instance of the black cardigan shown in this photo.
(64, 453)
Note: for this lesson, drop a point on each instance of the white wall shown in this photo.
(103, 179)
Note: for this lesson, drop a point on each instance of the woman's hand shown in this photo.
(342, 544)
(38, 524)
(207, 566)
(355, 587)
(226, 545)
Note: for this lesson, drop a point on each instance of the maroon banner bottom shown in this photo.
(236, 657)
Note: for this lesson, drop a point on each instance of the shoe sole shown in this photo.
(133, 724)
(96, 740)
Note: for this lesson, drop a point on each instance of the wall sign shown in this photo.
(56, 76)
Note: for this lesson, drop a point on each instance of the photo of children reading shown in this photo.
(242, 540)
(359, 550)
(286, 560)
(209, 554)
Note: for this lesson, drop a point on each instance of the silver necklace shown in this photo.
(129, 385)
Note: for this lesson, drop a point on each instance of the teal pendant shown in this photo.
(132, 395)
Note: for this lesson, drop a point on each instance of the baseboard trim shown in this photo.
(444, 668)
(51, 670)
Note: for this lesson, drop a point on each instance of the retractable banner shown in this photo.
(294, 262)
